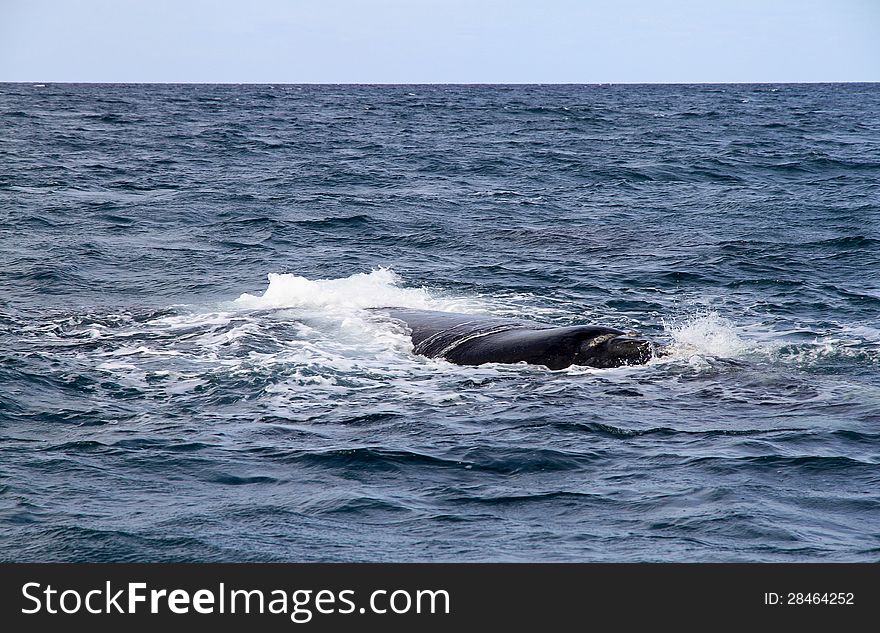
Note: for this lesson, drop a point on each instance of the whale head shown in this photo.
(614, 349)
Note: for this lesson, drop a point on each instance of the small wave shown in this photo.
(375, 459)
(108, 117)
(826, 352)
(695, 114)
(365, 508)
(849, 241)
(803, 463)
(822, 164)
(346, 221)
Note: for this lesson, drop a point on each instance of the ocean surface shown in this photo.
(189, 370)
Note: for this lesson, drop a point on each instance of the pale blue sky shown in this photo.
(439, 41)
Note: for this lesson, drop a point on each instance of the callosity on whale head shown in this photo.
(613, 350)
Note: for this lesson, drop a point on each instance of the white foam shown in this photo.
(362, 290)
(376, 289)
(707, 334)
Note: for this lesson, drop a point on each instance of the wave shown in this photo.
(354, 221)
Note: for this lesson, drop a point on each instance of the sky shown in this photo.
(440, 41)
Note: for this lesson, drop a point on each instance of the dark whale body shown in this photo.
(467, 339)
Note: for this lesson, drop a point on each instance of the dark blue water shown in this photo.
(162, 399)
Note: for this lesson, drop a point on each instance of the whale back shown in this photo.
(467, 339)
(436, 333)
(553, 347)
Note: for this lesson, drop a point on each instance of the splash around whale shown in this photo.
(467, 339)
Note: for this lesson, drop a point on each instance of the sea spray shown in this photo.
(707, 333)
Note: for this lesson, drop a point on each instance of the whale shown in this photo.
(468, 339)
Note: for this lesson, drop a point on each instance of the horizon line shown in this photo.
(442, 83)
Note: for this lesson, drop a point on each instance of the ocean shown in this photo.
(190, 369)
